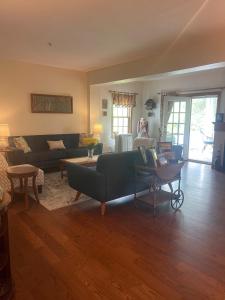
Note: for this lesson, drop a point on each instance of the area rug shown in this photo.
(57, 193)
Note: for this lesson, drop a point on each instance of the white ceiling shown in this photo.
(91, 34)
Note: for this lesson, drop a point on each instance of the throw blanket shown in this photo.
(146, 142)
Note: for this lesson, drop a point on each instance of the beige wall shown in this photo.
(99, 92)
(183, 57)
(18, 80)
(150, 89)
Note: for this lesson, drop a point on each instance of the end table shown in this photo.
(23, 173)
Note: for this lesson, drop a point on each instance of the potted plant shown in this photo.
(91, 149)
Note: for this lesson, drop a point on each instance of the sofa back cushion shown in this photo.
(39, 142)
(119, 171)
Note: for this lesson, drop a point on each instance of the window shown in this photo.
(121, 119)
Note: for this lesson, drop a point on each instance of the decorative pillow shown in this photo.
(54, 145)
(84, 136)
(87, 141)
(21, 144)
(149, 156)
(154, 157)
(143, 154)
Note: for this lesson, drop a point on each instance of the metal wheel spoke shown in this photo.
(177, 199)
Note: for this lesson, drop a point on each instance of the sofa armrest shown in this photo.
(16, 157)
(98, 149)
(87, 181)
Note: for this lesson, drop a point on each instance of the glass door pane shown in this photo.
(177, 121)
(203, 113)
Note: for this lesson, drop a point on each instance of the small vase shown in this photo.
(90, 153)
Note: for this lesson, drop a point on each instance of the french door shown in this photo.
(176, 121)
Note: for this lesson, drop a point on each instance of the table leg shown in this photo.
(21, 183)
(35, 188)
(26, 193)
(12, 189)
(77, 196)
(61, 166)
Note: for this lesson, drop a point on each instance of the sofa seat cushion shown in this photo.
(45, 155)
(78, 152)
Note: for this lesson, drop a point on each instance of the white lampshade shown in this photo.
(4, 130)
(4, 133)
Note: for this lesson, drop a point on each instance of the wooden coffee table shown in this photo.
(85, 161)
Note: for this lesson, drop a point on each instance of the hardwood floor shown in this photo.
(74, 253)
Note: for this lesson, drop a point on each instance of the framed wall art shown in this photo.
(41, 103)
(104, 104)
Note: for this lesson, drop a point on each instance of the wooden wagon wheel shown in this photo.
(177, 199)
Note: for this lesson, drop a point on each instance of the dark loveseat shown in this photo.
(46, 159)
(114, 177)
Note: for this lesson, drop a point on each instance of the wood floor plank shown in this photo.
(73, 253)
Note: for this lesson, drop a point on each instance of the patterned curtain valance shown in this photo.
(124, 99)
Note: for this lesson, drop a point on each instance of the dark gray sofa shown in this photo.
(114, 177)
(46, 159)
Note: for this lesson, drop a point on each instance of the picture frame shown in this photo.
(42, 103)
(104, 103)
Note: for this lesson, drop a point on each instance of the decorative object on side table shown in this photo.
(142, 128)
(6, 284)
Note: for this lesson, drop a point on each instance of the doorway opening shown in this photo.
(188, 121)
(203, 114)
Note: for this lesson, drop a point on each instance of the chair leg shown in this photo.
(39, 189)
(77, 196)
(103, 208)
(26, 198)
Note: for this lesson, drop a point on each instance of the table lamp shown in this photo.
(97, 130)
(4, 134)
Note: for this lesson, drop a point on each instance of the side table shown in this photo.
(23, 173)
(6, 284)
